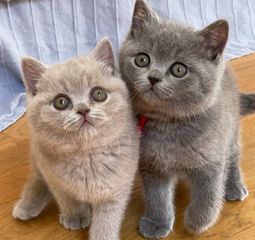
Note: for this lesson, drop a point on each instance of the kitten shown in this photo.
(84, 143)
(180, 82)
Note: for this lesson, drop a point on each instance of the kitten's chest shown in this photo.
(171, 146)
(88, 176)
(162, 139)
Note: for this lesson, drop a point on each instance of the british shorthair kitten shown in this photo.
(84, 142)
(179, 80)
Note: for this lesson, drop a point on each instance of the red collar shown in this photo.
(142, 122)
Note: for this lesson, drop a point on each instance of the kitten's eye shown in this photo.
(98, 94)
(142, 60)
(179, 70)
(61, 102)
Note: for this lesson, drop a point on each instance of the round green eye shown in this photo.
(179, 70)
(142, 60)
(61, 102)
(98, 94)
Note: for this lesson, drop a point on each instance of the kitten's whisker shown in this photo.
(103, 118)
(70, 122)
(165, 91)
(72, 118)
(138, 84)
(98, 114)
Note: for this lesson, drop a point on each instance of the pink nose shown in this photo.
(83, 112)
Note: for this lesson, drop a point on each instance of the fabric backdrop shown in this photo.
(54, 30)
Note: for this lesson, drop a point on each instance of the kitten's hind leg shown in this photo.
(235, 189)
(159, 217)
(74, 215)
(35, 197)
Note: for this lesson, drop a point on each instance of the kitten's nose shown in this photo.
(83, 112)
(153, 80)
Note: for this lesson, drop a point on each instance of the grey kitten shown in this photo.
(84, 142)
(180, 82)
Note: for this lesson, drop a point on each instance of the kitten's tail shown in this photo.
(247, 103)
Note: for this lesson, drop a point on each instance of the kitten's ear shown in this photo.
(141, 16)
(214, 38)
(104, 53)
(32, 71)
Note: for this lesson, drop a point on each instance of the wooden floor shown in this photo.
(236, 223)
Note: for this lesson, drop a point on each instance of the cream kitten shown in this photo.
(84, 143)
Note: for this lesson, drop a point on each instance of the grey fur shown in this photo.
(247, 102)
(193, 122)
(83, 164)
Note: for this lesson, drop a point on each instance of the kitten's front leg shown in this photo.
(207, 197)
(35, 197)
(74, 215)
(159, 216)
(235, 189)
(107, 218)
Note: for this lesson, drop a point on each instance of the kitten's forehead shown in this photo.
(74, 76)
(168, 40)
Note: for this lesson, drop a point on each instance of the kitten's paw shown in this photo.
(24, 213)
(196, 222)
(236, 192)
(74, 222)
(150, 228)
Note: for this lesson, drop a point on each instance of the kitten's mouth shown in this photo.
(152, 91)
(149, 96)
(85, 123)
(160, 95)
